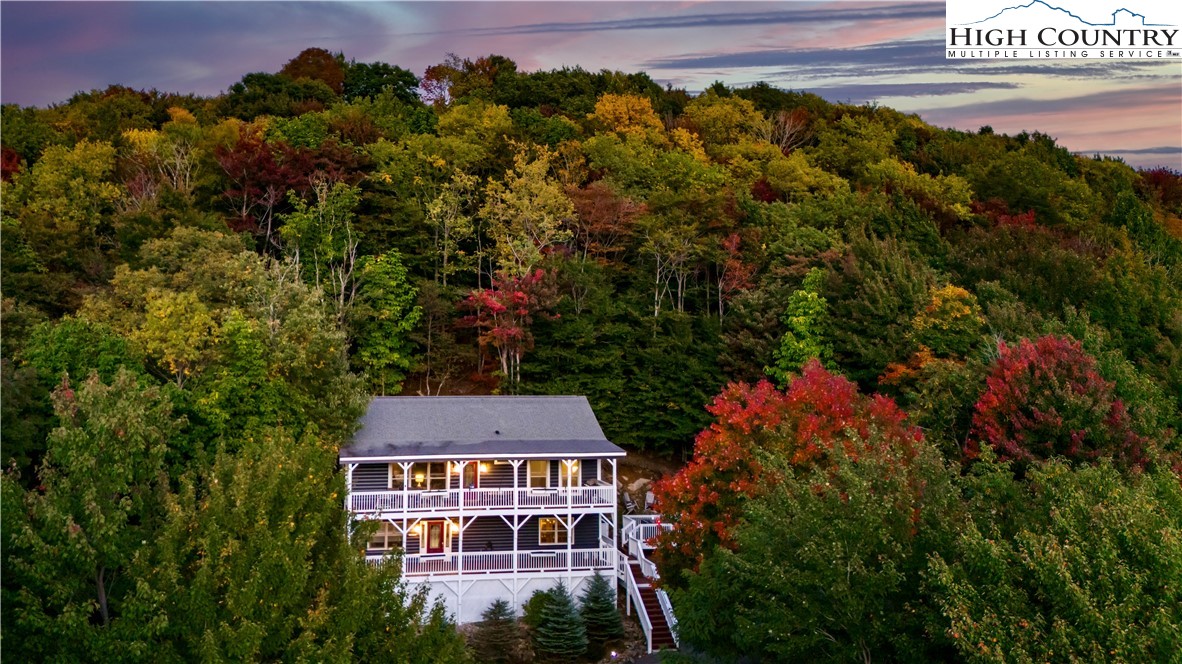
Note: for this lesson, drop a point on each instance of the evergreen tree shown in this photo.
(498, 637)
(600, 615)
(561, 636)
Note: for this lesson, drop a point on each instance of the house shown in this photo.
(489, 497)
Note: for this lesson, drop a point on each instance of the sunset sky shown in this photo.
(886, 52)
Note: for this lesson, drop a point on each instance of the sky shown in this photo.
(889, 52)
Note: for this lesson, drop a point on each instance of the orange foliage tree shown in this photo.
(802, 425)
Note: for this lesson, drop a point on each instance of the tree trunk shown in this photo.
(101, 587)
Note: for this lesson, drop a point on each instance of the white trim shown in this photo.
(437, 457)
(446, 536)
(561, 528)
(572, 471)
(529, 474)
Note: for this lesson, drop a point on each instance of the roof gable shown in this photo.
(478, 427)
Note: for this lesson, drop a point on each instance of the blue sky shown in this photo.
(888, 51)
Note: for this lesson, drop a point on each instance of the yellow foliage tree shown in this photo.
(177, 331)
(628, 115)
(526, 213)
(950, 323)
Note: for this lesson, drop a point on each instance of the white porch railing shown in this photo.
(490, 562)
(361, 502)
(637, 533)
(637, 601)
(639, 530)
(667, 610)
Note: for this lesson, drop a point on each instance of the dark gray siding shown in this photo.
(371, 477)
(486, 530)
(587, 532)
(482, 531)
(376, 476)
(498, 475)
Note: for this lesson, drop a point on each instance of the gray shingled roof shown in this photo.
(476, 427)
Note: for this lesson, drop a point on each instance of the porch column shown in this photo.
(406, 466)
(516, 520)
(349, 485)
(615, 509)
(570, 525)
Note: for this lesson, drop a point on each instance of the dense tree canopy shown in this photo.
(248, 267)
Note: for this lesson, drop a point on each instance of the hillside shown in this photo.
(246, 269)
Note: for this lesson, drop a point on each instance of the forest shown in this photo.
(922, 384)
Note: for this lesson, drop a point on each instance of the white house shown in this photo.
(487, 497)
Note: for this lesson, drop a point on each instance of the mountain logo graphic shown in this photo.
(1034, 5)
(1063, 30)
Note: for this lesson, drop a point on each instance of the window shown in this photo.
(471, 477)
(387, 537)
(552, 531)
(432, 476)
(569, 473)
(397, 477)
(539, 473)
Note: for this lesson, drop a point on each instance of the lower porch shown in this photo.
(506, 562)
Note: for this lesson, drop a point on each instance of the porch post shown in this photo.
(406, 466)
(516, 528)
(349, 484)
(615, 516)
(570, 526)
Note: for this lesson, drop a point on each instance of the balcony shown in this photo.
(505, 562)
(496, 499)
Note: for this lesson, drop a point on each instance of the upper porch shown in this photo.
(454, 487)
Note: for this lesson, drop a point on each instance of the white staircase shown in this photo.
(637, 573)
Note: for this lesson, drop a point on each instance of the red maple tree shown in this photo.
(1046, 398)
(802, 425)
(504, 313)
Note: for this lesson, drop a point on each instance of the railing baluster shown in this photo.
(489, 498)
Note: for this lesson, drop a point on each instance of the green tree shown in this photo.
(600, 615)
(560, 635)
(272, 353)
(531, 611)
(498, 637)
(72, 589)
(829, 563)
(177, 332)
(452, 224)
(371, 79)
(526, 214)
(807, 319)
(252, 563)
(75, 346)
(875, 292)
(382, 320)
(59, 211)
(68, 347)
(322, 238)
(1069, 565)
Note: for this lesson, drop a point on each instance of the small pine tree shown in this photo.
(498, 636)
(600, 615)
(561, 635)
